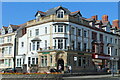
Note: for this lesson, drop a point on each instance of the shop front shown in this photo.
(102, 62)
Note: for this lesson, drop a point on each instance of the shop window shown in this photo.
(79, 61)
(75, 61)
(43, 60)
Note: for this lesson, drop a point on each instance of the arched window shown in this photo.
(60, 14)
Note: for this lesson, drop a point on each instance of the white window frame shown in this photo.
(60, 13)
(60, 44)
(45, 30)
(60, 28)
(36, 32)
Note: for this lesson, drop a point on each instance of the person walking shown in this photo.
(70, 69)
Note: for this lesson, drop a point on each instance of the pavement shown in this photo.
(94, 76)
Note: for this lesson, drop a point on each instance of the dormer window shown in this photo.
(3, 32)
(60, 14)
(9, 30)
(38, 17)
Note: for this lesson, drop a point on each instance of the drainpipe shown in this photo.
(14, 59)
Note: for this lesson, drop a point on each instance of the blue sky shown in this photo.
(21, 12)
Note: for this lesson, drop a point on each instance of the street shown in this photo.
(93, 77)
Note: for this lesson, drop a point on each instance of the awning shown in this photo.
(36, 39)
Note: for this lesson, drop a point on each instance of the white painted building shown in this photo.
(60, 32)
(59, 37)
(7, 43)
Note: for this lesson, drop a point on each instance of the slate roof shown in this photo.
(14, 27)
(89, 19)
(75, 13)
(53, 10)
(40, 12)
(98, 22)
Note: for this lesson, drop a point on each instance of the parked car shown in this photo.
(9, 70)
(1, 70)
(54, 70)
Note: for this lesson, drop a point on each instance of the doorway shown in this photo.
(60, 62)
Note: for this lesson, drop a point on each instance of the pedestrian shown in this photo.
(70, 69)
(28, 70)
(59, 67)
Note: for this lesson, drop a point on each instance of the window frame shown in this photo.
(60, 13)
(36, 32)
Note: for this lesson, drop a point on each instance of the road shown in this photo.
(93, 77)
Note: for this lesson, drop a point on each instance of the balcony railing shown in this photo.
(63, 48)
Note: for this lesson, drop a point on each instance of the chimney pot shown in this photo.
(116, 23)
(95, 17)
(105, 18)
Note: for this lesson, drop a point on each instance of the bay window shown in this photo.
(60, 28)
(60, 43)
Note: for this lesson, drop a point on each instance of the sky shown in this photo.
(20, 12)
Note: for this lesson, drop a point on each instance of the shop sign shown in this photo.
(46, 53)
(97, 56)
(75, 58)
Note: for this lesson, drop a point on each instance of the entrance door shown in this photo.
(60, 62)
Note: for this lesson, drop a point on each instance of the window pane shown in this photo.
(37, 31)
(33, 45)
(60, 44)
(36, 60)
(45, 30)
(33, 60)
(60, 28)
(29, 61)
(79, 61)
(38, 45)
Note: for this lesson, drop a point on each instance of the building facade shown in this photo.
(64, 38)
(7, 46)
(59, 37)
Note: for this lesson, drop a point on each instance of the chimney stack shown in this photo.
(116, 23)
(105, 18)
(95, 17)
